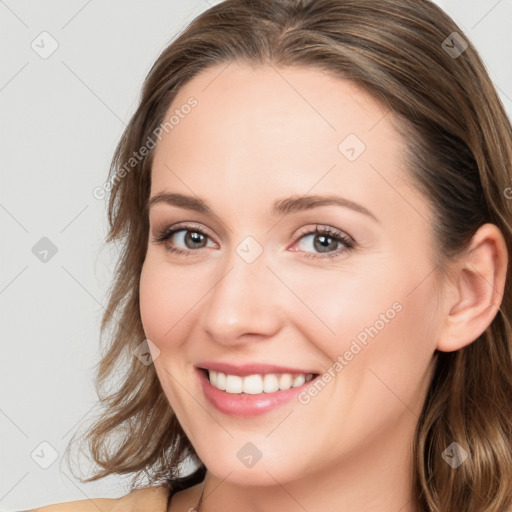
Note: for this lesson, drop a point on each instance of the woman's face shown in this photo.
(255, 285)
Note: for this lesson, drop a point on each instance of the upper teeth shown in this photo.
(255, 384)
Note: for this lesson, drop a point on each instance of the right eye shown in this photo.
(191, 237)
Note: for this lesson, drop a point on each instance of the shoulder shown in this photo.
(147, 499)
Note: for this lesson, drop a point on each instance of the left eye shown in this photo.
(324, 239)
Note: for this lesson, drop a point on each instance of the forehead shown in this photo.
(274, 107)
(267, 132)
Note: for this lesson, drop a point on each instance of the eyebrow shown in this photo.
(280, 206)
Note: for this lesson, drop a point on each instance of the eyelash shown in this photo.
(164, 235)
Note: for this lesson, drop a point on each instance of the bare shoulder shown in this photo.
(87, 505)
(148, 499)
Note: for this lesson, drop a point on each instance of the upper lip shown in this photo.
(250, 368)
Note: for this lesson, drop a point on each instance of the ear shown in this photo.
(475, 289)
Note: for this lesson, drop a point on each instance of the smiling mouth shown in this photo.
(256, 384)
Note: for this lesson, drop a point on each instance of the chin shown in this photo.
(234, 464)
(257, 476)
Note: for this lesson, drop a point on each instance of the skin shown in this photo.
(265, 133)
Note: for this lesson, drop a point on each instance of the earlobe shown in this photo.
(477, 289)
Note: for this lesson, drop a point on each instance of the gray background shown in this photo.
(61, 118)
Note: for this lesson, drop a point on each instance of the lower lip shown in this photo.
(244, 404)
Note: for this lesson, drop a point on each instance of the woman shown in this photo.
(311, 303)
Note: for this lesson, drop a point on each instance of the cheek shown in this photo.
(349, 304)
(161, 300)
(379, 355)
(337, 305)
(373, 323)
(150, 303)
(160, 297)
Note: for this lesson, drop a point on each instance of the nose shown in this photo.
(243, 304)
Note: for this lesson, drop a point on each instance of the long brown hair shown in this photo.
(459, 152)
